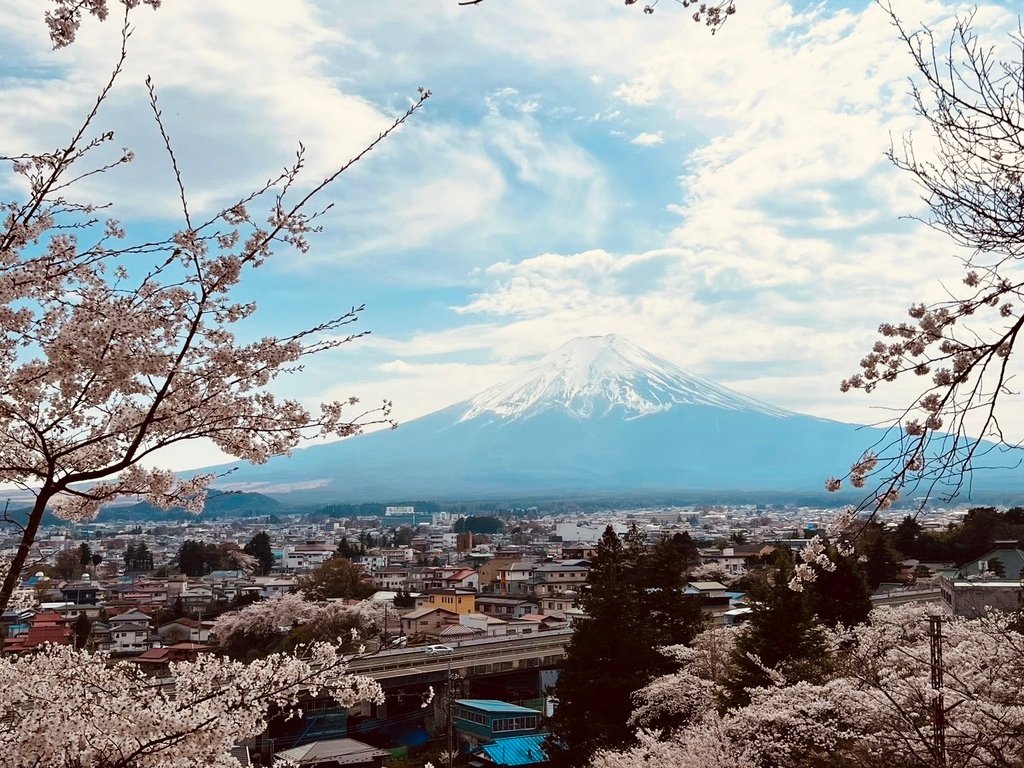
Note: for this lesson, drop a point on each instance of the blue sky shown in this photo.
(582, 168)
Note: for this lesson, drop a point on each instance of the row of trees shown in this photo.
(960, 543)
(487, 524)
(138, 558)
(198, 558)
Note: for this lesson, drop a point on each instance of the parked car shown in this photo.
(438, 650)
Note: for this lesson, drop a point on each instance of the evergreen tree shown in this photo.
(781, 634)
(600, 669)
(687, 548)
(905, 537)
(138, 558)
(259, 547)
(84, 554)
(672, 617)
(80, 631)
(839, 596)
(129, 557)
(634, 603)
(881, 565)
(191, 560)
(348, 551)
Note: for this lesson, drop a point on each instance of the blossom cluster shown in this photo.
(282, 612)
(875, 708)
(64, 708)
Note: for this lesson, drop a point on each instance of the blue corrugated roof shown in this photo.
(496, 707)
(517, 750)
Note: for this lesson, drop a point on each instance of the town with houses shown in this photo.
(445, 591)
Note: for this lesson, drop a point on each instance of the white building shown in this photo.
(306, 556)
(585, 533)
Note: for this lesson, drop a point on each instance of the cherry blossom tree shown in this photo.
(114, 349)
(255, 625)
(64, 708)
(971, 96)
(878, 708)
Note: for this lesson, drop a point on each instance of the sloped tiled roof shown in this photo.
(340, 751)
(458, 630)
(131, 617)
(424, 611)
(127, 627)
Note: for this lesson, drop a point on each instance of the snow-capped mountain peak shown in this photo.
(594, 376)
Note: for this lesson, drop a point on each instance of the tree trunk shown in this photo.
(28, 538)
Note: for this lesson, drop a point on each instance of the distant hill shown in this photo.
(219, 504)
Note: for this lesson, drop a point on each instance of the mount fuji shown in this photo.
(598, 415)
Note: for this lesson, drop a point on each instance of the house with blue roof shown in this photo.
(479, 721)
(518, 751)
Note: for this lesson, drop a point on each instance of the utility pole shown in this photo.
(938, 709)
(450, 697)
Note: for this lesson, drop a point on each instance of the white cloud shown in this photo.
(647, 139)
(238, 94)
(789, 250)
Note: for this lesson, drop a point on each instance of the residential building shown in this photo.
(455, 600)
(1007, 553)
(427, 621)
(43, 627)
(129, 632)
(393, 579)
(306, 556)
(504, 606)
(334, 753)
(514, 579)
(993, 580)
(479, 721)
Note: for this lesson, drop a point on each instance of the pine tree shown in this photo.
(81, 630)
(839, 596)
(634, 603)
(881, 565)
(688, 548)
(782, 634)
(672, 616)
(905, 537)
(600, 667)
(259, 547)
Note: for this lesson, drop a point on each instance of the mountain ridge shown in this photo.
(598, 415)
(591, 375)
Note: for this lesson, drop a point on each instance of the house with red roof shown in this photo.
(44, 627)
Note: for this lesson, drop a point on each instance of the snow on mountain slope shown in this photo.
(593, 376)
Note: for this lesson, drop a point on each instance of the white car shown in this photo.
(438, 650)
